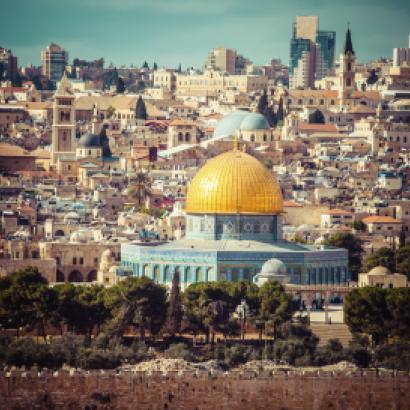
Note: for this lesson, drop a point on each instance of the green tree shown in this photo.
(280, 113)
(120, 86)
(138, 303)
(263, 103)
(276, 306)
(359, 226)
(398, 305)
(353, 245)
(366, 311)
(207, 307)
(373, 77)
(140, 109)
(141, 184)
(26, 301)
(382, 257)
(105, 143)
(174, 311)
(403, 261)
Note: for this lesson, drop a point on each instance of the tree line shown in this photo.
(97, 327)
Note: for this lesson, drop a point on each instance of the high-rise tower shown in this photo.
(63, 132)
(311, 52)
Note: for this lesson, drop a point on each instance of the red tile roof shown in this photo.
(376, 219)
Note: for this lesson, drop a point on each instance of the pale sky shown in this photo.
(183, 31)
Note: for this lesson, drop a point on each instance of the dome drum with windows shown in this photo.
(234, 211)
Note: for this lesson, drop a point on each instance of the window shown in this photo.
(81, 261)
(74, 261)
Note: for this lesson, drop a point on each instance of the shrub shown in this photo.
(359, 355)
(97, 359)
(237, 354)
(332, 352)
(290, 350)
(26, 352)
(393, 356)
(178, 351)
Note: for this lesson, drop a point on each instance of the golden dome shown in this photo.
(234, 182)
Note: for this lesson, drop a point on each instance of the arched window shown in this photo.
(60, 276)
(187, 137)
(265, 137)
(92, 276)
(59, 233)
(180, 136)
(349, 66)
(75, 276)
(252, 138)
(145, 269)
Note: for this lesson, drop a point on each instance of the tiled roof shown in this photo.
(304, 126)
(380, 220)
(336, 212)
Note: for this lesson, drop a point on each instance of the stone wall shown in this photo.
(202, 390)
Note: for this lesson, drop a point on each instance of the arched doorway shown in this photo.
(75, 276)
(59, 233)
(60, 276)
(92, 276)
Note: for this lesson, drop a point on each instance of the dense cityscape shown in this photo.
(231, 236)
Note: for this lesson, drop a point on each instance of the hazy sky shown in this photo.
(183, 31)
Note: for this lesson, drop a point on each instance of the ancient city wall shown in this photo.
(203, 390)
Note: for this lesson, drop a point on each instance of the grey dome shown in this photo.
(240, 120)
(254, 121)
(89, 141)
(273, 267)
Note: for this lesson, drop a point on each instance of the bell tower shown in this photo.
(346, 68)
(63, 141)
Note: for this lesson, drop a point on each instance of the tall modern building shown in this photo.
(8, 65)
(312, 52)
(401, 56)
(53, 60)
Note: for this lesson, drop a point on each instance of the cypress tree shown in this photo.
(279, 112)
(263, 103)
(120, 85)
(104, 142)
(174, 312)
(140, 109)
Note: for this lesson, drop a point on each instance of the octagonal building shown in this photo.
(234, 212)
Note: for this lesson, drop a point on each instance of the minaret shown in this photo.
(63, 141)
(346, 69)
(96, 122)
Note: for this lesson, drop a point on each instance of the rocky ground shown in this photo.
(166, 365)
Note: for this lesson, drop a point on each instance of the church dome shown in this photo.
(254, 121)
(89, 141)
(242, 121)
(230, 123)
(234, 183)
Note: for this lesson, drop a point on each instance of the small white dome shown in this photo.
(273, 267)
